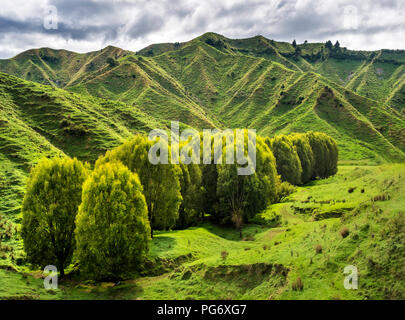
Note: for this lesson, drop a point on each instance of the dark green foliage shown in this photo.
(161, 185)
(112, 62)
(304, 151)
(288, 162)
(113, 229)
(49, 209)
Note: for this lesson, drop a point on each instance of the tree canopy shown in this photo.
(161, 184)
(49, 209)
(112, 224)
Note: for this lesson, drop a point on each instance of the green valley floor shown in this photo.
(297, 249)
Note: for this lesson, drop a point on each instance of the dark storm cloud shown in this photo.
(91, 24)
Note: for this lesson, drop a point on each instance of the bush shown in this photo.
(49, 209)
(344, 232)
(318, 248)
(224, 255)
(381, 197)
(284, 189)
(112, 230)
(298, 285)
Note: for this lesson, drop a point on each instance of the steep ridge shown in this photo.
(41, 121)
(257, 83)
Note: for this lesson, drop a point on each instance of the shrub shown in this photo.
(112, 230)
(344, 232)
(318, 248)
(351, 189)
(298, 285)
(381, 197)
(54, 192)
(284, 189)
(224, 255)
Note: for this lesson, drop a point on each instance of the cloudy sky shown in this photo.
(88, 25)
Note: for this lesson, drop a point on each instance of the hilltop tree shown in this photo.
(112, 225)
(160, 182)
(304, 151)
(288, 162)
(294, 43)
(49, 209)
(337, 45)
(329, 44)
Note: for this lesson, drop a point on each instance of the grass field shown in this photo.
(299, 238)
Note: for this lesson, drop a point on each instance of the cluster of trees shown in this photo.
(301, 157)
(104, 218)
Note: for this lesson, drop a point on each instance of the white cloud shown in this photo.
(86, 25)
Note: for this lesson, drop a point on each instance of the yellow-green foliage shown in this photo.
(161, 185)
(288, 162)
(240, 197)
(112, 230)
(325, 153)
(304, 151)
(191, 191)
(49, 209)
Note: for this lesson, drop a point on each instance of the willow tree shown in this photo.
(305, 154)
(161, 184)
(287, 159)
(242, 196)
(192, 191)
(112, 224)
(325, 152)
(49, 209)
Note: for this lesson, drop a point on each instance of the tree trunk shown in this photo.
(61, 270)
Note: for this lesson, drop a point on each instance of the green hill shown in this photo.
(357, 97)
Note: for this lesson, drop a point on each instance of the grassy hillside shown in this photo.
(38, 121)
(356, 97)
(300, 237)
